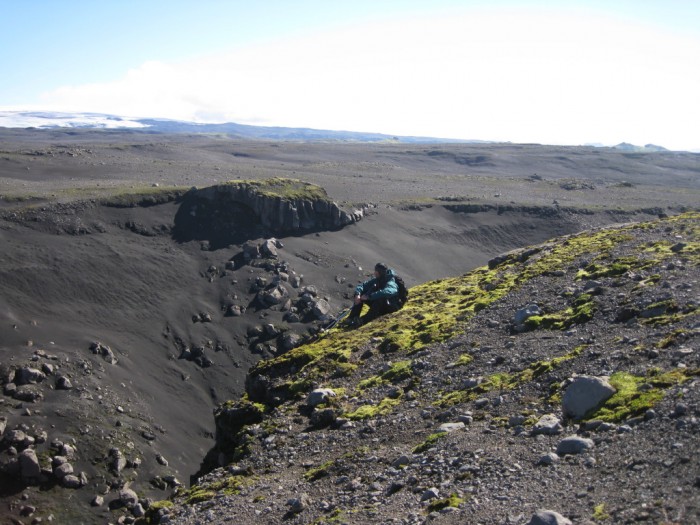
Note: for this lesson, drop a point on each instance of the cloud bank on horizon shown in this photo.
(562, 76)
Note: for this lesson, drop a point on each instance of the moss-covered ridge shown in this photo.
(440, 310)
(282, 188)
(437, 310)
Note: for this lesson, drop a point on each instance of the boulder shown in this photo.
(62, 470)
(321, 309)
(549, 425)
(27, 376)
(319, 396)
(548, 517)
(574, 445)
(28, 393)
(269, 248)
(29, 467)
(289, 340)
(585, 394)
(3, 425)
(524, 314)
(63, 383)
(128, 498)
(71, 482)
(273, 296)
(104, 351)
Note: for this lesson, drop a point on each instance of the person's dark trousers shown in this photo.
(376, 308)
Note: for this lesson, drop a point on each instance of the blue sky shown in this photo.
(563, 72)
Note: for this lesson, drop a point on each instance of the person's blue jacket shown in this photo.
(377, 288)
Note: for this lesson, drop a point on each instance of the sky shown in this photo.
(554, 72)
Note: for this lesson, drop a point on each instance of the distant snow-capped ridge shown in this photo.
(51, 119)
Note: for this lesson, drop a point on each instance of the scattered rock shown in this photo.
(299, 504)
(104, 351)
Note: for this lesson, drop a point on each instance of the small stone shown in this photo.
(550, 458)
(451, 427)
(299, 504)
(431, 493)
(97, 501)
(481, 402)
(401, 461)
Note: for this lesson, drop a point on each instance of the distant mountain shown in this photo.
(49, 120)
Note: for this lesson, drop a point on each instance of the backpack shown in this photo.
(402, 296)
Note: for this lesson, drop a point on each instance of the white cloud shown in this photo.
(525, 77)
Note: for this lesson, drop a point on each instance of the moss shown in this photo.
(152, 512)
(637, 394)
(507, 381)
(672, 339)
(599, 513)
(582, 311)
(384, 407)
(429, 442)
(286, 189)
(463, 360)
(199, 495)
(452, 501)
(318, 472)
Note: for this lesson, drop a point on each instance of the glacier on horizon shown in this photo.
(50, 119)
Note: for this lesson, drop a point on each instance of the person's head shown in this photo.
(380, 270)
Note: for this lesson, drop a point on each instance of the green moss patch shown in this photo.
(452, 501)
(581, 312)
(429, 442)
(506, 381)
(384, 407)
(637, 394)
(286, 189)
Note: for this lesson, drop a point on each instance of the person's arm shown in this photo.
(361, 290)
(389, 290)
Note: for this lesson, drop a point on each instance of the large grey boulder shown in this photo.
(321, 309)
(29, 466)
(585, 394)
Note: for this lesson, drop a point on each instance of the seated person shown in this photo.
(381, 294)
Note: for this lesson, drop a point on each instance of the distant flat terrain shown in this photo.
(46, 162)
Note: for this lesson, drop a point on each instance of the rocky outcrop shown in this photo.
(231, 211)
